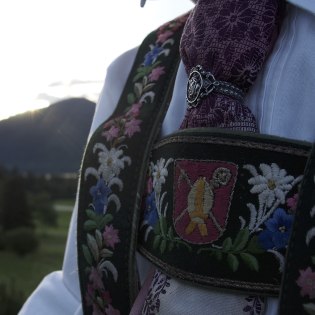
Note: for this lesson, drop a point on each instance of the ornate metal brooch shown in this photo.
(201, 83)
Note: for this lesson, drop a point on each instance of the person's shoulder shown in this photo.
(121, 65)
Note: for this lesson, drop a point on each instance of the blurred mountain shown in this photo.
(49, 140)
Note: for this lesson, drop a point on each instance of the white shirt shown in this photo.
(282, 99)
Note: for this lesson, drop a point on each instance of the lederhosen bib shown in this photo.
(217, 207)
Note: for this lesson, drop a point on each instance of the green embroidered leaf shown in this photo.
(105, 253)
(90, 225)
(241, 239)
(227, 244)
(232, 262)
(91, 214)
(139, 76)
(131, 98)
(148, 87)
(87, 254)
(163, 246)
(254, 246)
(93, 246)
(218, 255)
(107, 218)
(170, 233)
(157, 229)
(100, 302)
(144, 81)
(155, 65)
(163, 224)
(99, 238)
(250, 261)
(138, 89)
(156, 241)
(170, 246)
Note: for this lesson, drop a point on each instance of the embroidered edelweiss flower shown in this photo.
(277, 234)
(111, 161)
(159, 173)
(272, 185)
(306, 282)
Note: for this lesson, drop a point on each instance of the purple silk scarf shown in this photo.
(231, 39)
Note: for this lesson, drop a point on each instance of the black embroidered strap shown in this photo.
(298, 290)
(219, 207)
(113, 175)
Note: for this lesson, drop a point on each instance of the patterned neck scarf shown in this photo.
(231, 39)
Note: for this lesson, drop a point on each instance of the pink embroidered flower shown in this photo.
(112, 133)
(134, 110)
(162, 37)
(89, 294)
(106, 297)
(108, 124)
(156, 73)
(306, 281)
(96, 279)
(110, 236)
(97, 310)
(132, 126)
(111, 311)
(292, 202)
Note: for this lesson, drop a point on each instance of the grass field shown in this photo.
(26, 272)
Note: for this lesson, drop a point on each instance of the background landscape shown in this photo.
(40, 158)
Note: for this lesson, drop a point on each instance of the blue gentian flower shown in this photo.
(100, 193)
(151, 215)
(151, 56)
(277, 234)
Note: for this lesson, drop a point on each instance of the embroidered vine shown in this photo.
(102, 237)
(269, 225)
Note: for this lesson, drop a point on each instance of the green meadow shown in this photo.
(24, 273)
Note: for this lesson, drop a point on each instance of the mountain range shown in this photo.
(49, 140)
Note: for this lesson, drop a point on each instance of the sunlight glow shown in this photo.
(68, 41)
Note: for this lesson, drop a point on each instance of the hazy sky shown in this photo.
(51, 49)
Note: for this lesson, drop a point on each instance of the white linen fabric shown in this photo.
(282, 99)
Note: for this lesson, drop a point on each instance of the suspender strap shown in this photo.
(298, 289)
(113, 175)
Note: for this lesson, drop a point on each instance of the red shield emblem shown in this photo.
(202, 197)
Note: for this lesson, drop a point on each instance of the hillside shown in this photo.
(50, 140)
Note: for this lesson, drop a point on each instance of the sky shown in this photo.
(54, 49)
